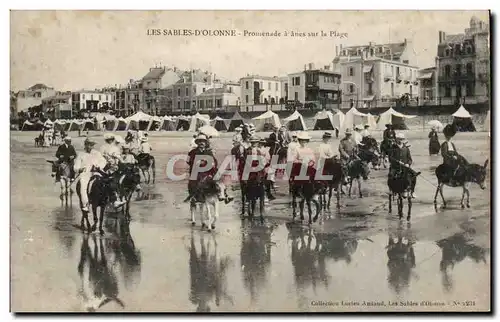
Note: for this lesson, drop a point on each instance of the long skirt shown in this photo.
(434, 146)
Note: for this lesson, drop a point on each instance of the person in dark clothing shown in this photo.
(389, 133)
(400, 158)
(451, 157)
(66, 154)
(434, 145)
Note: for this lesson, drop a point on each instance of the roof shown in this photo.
(38, 86)
(194, 76)
(458, 38)
(64, 96)
(462, 113)
(425, 76)
(396, 48)
(261, 77)
(155, 73)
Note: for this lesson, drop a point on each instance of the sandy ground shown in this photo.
(163, 264)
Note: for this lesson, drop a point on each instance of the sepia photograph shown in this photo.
(250, 161)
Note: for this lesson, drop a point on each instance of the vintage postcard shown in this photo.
(250, 161)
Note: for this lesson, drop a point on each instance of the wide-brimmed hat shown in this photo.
(348, 131)
(304, 136)
(144, 139)
(367, 126)
(119, 139)
(449, 130)
(327, 135)
(238, 129)
(201, 138)
(109, 136)
(254, 139)
(88, 142)
(400, 136)
(358, 127)
(388, 125)
(67, 138)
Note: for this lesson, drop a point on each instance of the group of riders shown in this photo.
(114, 158)
(117, 155)
(293, 148)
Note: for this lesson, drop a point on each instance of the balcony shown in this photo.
(388, 77)
(399, 78)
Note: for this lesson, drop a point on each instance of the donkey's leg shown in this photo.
(192, 207)
(261, 204)
(216, 212)
(409, 209)
(96, 219)
(359, 187)
(330, 188)
(339, 188)
(301, 209)
(209, 215)
(441, 193)
(61, 183)
(467, 185)
(294, 206)
(390, 202)
(400, 205)
(436, 194)
(463, 197)
(350, 187)
(101, 219)
(309, 210)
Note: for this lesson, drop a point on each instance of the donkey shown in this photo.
(470, 173)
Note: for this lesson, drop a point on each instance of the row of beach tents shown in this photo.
(323, 120)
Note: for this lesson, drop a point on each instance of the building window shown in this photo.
(411, 91)
(99, 97)
(351, 71)
(269, 86)
(106, 97)
(194, 90)
(406, 61)
(297, 81)
(469, 89)
(458, 69)
(447, 70)
(447, 91)
(91, 97)
(276, 86)
(246, 84)
(370, 89)
(246, 97)
(469, 69)
(392, 89)
(296, 96)
(203, 89)
(469, 50)
(447, 52)
(178, 105)
(178, 92)
(351, 88)
(262, 85)
(149, 83)
(392, 70)
(83, 96)
(187, 91)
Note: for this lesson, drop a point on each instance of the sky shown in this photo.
(71, 50)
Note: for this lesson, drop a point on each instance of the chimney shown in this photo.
(311, 66)
(327, 67)
(336, 50)
(371, 44)
(406, 41)
(305, 66)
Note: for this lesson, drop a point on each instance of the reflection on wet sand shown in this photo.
(99, 284)
(455, 249)
(101, 259)
(125, 255)
(311, 249)
(255, 256)
(63, 225)
(401, 259)
(207, 272)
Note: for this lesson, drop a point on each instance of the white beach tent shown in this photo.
(59, 125)
(324, 120)
(372, 121)
(138, 121)
(198, 120)
(121, 124)
(155, 123)
(168, 124)
(109, 122)
(338, 119)
(393, 117)
(295, 122)
(354, 117)
(266, 121)
(220, 124)
(462, 120)
(487, 121)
